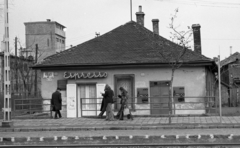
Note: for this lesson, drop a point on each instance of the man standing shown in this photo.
(56, 102)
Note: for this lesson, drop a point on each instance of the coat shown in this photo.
(108, 96)
(124, 98)
(103, 105)
(56, 100)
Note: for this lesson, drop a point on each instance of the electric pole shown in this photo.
(36, 58)
(7, 94)
(16, 65)
(219, 88)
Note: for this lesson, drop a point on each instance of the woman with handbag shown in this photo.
(124, 109)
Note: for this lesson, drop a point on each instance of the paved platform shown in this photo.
(73, 124)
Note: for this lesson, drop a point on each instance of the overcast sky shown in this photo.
(219, 19)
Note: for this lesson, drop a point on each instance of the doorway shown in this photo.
(87, 92)
(159, 97)
(125, 81)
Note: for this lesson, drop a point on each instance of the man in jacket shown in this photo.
(56, 102)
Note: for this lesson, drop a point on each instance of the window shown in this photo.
(142, 95)
(178, 93)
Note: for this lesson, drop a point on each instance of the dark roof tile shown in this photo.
(126, 44)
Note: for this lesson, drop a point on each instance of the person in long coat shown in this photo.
(56, 102)
(124, 105)
(108, 96)
(103, 107)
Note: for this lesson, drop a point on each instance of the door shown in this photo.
(127, 83)
(159, 97)
(87, 94)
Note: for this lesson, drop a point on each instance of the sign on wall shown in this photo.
(71, 100)
(84, 75)
(48, 75)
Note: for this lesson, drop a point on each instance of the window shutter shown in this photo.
(100, 89)
(71, 100)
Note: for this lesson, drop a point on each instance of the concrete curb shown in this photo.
(143, 139)
(107, 127)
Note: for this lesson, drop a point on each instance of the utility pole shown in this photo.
(7, 94)
(36, 58)
(16, 65)
(219, 89)
(131, 10)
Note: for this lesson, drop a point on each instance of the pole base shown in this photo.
(7, 124)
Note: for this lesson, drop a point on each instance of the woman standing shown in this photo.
(108, 97)
(124, 105)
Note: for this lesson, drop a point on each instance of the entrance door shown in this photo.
(159, 97)
(127, 83)
(87, 93)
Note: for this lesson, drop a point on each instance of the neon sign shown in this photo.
(84, 75)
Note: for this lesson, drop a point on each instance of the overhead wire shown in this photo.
(203, 3)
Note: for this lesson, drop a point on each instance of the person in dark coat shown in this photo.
(56, 102)
(103, 107)
(108, 95)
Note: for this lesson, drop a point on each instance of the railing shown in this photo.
(155, 106)
(141, 106)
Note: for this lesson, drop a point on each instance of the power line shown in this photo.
(204, 3)
(218, 39)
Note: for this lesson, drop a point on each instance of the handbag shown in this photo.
(52, 108)
(126, 111)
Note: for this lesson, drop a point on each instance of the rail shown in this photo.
(30, 106)
(155, 106)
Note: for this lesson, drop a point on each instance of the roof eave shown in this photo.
(121, 65)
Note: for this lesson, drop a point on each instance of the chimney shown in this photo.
(155, 26)
(48, 20)
(197, 38)
(140, 16)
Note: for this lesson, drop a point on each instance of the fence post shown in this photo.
(81, 106)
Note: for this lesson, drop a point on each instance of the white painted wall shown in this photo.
(192, 78)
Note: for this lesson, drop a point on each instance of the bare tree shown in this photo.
(174, 59)
(26, 75)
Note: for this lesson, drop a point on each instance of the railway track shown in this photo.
(163, 145)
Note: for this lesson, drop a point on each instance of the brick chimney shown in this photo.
(155, 26)
(140, 16)
(197, 38)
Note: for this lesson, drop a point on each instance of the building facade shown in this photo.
(230, 74)
(129, 56)
(48, 35)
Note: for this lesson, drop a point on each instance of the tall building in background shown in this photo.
(48, 35)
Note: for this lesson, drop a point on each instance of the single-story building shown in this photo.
(127, 57)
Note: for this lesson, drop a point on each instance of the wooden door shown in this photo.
(127, 84)
(159, 97)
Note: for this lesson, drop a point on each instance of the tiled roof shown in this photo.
(231, 59)
(130, 43)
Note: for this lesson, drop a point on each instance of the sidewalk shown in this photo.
(73, 124)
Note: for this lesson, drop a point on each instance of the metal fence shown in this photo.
(29, 106)
(140, 106)
(156, 106)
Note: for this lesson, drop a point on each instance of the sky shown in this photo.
(219, 19)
